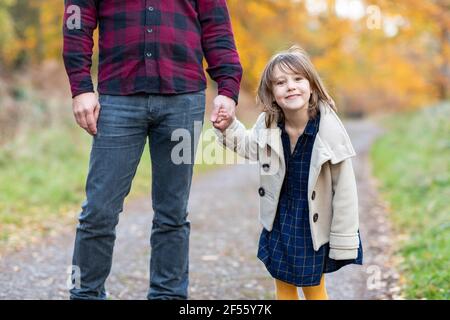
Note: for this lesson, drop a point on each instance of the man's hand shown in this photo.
(219, 121)
(86, 110)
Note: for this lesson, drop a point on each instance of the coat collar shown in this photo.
(332, 141)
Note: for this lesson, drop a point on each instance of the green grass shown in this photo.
(412, 162)
(43, 177)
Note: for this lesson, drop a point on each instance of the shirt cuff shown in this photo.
(77, 92)
(229, 89)
(80, 83)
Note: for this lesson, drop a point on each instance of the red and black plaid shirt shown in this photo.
(151, 46)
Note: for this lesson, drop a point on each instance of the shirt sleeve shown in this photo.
(219, 47)
(79, 23)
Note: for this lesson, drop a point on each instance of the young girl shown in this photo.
(308, 204)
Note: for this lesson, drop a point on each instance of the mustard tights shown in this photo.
(287, 291)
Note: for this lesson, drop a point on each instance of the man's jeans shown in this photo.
(124, 124)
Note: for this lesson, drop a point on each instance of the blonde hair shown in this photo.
(296, 60)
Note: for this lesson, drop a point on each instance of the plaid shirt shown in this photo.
(151, 46)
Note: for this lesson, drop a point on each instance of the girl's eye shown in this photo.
(279, 83)
(299, 78)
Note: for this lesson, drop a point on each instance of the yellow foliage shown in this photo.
(363, 67)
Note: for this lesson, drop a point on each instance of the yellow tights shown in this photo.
(287, 291)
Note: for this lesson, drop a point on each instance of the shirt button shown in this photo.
(149, 30)
(315, 217)
(261, 192)
(313, 196)
(150, 8)
(148, 54)
(266, 167)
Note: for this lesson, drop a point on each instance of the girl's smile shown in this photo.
(293, 96)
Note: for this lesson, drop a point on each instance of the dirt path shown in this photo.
(223, 263)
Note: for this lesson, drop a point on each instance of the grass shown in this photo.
(43, 177)
(412, 162)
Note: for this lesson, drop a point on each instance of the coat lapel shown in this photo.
(332, 144)
(333, 136)
(319, 156)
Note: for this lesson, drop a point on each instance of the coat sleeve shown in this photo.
(344, 237)
(240, 140)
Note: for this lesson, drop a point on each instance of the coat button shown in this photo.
(315, 217)
(313, 196)
(261, 192)
(266, 167)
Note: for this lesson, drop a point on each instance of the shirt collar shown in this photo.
(311, 127)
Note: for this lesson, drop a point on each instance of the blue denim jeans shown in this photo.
(123, 126)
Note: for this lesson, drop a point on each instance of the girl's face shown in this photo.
(290, 90)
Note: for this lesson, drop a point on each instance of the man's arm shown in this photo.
(220, 52)
(219, 47)
(80, 20)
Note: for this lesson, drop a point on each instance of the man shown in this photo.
(150, 83)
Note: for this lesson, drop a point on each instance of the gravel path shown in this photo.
(223, 263)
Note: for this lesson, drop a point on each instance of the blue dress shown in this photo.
(287, 251)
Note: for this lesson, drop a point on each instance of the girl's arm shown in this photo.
(240, 140)
(344, 239)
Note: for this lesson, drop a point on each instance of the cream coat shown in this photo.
(332, 196)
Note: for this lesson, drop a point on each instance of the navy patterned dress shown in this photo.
(287, 251)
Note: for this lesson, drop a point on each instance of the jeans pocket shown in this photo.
(197, 104)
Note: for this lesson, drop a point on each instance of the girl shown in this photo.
(308, 199)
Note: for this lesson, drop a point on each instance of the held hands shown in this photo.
(223, 112)
(86, 109)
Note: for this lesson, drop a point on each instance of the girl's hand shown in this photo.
(224, 119)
